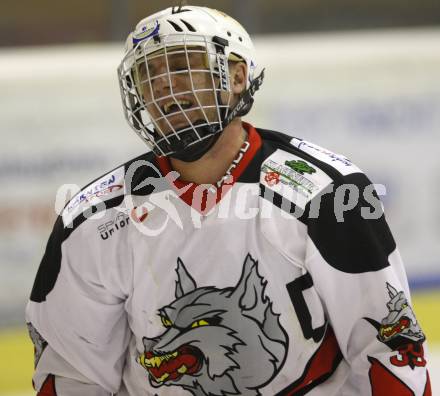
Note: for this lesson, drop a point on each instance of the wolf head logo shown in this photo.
(400, 320)
(217, 341)
(400, 331)
(400, 326)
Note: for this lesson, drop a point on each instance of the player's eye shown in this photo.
(142, 70)
(201, 322)
(166, 322)
(179, 68)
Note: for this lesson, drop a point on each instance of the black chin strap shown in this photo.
(245, 101)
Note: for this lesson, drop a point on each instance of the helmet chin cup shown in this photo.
(196, 150)
(190, 144)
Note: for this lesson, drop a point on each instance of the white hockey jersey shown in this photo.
(283, 279)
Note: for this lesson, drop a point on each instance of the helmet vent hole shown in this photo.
(229, 34)
(189, 26)
(176, 27)
(240, 38)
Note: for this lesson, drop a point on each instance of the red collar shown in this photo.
(198, 196)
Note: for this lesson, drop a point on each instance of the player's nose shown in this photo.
(165, 84)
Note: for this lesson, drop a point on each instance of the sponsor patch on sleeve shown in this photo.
(338, 161)
(103, 189)
(293, 178)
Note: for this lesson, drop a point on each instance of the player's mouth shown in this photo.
(392, 329)
(176, 106)
(186, 360)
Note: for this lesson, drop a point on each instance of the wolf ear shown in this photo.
(392, 292)
(250, 289)
(185, 283)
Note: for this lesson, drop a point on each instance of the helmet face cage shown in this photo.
(180, 86)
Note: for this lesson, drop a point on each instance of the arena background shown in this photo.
(362, 80)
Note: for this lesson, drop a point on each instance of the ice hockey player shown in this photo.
(228, 260)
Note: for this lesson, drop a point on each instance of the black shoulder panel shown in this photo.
(357, 244)
(50, 264)
(142, 174)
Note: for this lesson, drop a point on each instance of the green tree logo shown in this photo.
(300, 166)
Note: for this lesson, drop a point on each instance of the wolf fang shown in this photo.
(229, 340)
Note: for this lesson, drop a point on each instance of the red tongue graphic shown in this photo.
(185, 357)
(397, 328)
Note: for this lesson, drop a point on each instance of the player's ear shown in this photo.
(238, 75)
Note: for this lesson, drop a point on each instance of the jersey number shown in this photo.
(295, 290)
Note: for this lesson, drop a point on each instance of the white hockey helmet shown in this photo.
(184, 31)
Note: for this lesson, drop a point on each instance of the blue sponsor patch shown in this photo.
(146, 32)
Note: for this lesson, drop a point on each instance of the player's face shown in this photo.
(178, 89)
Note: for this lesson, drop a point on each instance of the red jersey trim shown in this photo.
(48, 388)
(427, 391)
(319, 368)
(384, 382)
(198, 196)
